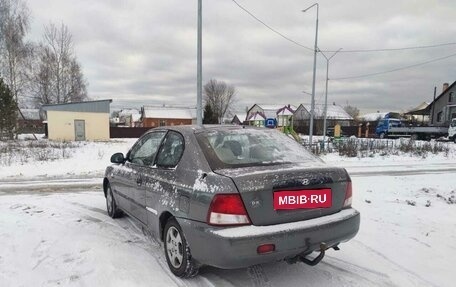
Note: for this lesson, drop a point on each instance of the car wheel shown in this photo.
(111, 205)
(177, 251)
(382, 135)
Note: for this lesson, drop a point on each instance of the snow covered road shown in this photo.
(407, 236)
(399, 166)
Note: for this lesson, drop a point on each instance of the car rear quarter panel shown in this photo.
(188, 189)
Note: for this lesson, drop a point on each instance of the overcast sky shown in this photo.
(140, 52)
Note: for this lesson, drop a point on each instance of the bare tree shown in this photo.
(220, 97)
(58, 77)
(352, 111)
(14, 51)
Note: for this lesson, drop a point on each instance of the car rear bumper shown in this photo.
(236, 247)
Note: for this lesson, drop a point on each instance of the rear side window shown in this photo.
(230, 148)
(171, 151)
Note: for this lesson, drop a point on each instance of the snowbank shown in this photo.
(46, 159)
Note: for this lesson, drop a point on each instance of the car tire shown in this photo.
(177, 251)
(382, 135)
(111, 205)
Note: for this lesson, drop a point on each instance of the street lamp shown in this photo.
(326, 93)
(312, 104)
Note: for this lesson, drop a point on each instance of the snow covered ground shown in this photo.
(406, 238)
(55, 237)
(47, 160)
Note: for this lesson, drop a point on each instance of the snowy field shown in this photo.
(65, 238)
(28, 159)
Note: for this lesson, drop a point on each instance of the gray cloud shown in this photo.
(144, 52)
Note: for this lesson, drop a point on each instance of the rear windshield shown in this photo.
(231, 148)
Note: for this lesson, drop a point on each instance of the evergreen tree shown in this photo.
(8, 108)
(209, 116)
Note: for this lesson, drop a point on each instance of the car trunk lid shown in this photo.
(257, 186)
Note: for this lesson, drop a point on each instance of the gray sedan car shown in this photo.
(231, 197)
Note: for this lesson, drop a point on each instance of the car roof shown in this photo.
(191, 129)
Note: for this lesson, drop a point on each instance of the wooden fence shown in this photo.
(126, 132)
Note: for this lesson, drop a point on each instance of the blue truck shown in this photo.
(395, 128)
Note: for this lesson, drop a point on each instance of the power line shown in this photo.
(272, 29)
(359, 50)
(394, 49)
(345, 50)
(396, 69)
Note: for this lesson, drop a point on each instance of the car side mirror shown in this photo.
(118, 158)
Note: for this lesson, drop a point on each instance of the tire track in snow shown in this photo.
(212, 279)
(129, 228)
(127, 231)
(401, 172)
(397, 265)
(258, 277)
(356, 266)
(154, 248)
(354, 272)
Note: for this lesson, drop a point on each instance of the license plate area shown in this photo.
(302, 199)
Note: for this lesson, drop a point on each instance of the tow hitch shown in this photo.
(317, 259)
(311, 262)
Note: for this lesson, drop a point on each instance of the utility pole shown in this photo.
(312, 102)
(199, 96)
(326, 94)
(432, 108)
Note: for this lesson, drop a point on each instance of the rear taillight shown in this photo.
(348, 195)
(227, 209)
(266, 248)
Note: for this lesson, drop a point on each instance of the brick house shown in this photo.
(157, 116)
